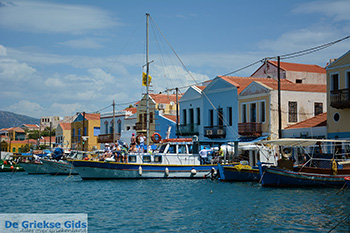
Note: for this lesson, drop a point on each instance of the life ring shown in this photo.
(156, 137)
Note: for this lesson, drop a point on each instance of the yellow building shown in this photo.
(63, 135)
(84, 130)
(338, 97)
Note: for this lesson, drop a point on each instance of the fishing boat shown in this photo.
(173, 158)
(322, 168)
(60, 166)
(10, 166)
(247, 170)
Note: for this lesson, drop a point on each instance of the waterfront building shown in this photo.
(84, 130)
(159, 105)
(124, 127)
(294, 72)
(29, 127)
(258, 106)
(63, 135)
(314, 127)
(338, 97)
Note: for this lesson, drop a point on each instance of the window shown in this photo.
(211, 117)
(252, 112)
(151, 117)
(244, 113)
(262, 112)
(220, 117)
(298, 81)
(182, 149)
(73, 133)
(184, 113)
(96, 131)
(119, 127)
(198, 116)
(172, 149)
(334, 82)
(229, 115)
(293, 113)
(191, 116)
(347, 79)
(318, 108)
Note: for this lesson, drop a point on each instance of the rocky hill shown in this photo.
(9, 119)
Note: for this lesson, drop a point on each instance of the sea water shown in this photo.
(170, 205)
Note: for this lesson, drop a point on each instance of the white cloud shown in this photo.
(12, 70)
(27, 108)
(44, 17)
(86, 43)
(337, 10)
(3, 51)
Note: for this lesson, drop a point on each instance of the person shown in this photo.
(142, 143)
(124, 153)
(108, 151)
(203, 155)
(132, 142)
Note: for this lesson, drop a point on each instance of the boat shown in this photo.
(247, 170)
(171, 159)
(240, 172)
(10, 166)
(31, 162)
(58, 165)
(323, 168)
(347, 181)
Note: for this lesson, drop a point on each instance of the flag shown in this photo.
(144, 79)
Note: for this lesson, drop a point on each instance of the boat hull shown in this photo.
(34, 168)
(59, 167)
(271, 176)
(113, 170)
(231, 173)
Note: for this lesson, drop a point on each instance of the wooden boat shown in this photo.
(60, 167)
(347, 181)
(10, 166)
(320, 170)
(240, 172)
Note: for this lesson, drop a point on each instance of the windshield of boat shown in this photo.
(161, 148)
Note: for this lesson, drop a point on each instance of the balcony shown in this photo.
(107, 138)
(218, 131)
(188, 130)
(250, 129)
(340, 98)
(141, 126)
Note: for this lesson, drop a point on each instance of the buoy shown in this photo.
(211, 191)
(11, 167)
(2, 166)
(167, 171)
(140, 170)
(193, 172)
(5, 162)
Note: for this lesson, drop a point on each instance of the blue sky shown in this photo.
(62, 57)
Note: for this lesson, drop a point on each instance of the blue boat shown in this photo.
(240, 172)
(322, 169)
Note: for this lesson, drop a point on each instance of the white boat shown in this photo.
(60, 167)
(34, 167)
(172, 159)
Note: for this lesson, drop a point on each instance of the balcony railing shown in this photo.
(107, 138)
(217, 131)
(340, 98)
(188, 130)
(250, 129)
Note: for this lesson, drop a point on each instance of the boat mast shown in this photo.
(147, 82)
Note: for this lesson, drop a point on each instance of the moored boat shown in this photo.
(60, 167)
(240, 172)
(173, 158)
(347, 181)
(323, 168)
(10, 166)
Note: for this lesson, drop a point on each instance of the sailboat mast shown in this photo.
(147, 81)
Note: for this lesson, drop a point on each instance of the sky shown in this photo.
(60, 57)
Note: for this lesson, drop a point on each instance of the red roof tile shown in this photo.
(170, 117)
(132, 110)
(316, 121)
(299, 67)
(289, 86)
(65, 126)
(241, 82)
(163, 98)
(92, 116)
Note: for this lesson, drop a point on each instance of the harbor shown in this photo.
(177, 205)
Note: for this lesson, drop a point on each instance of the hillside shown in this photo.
(9, 119)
